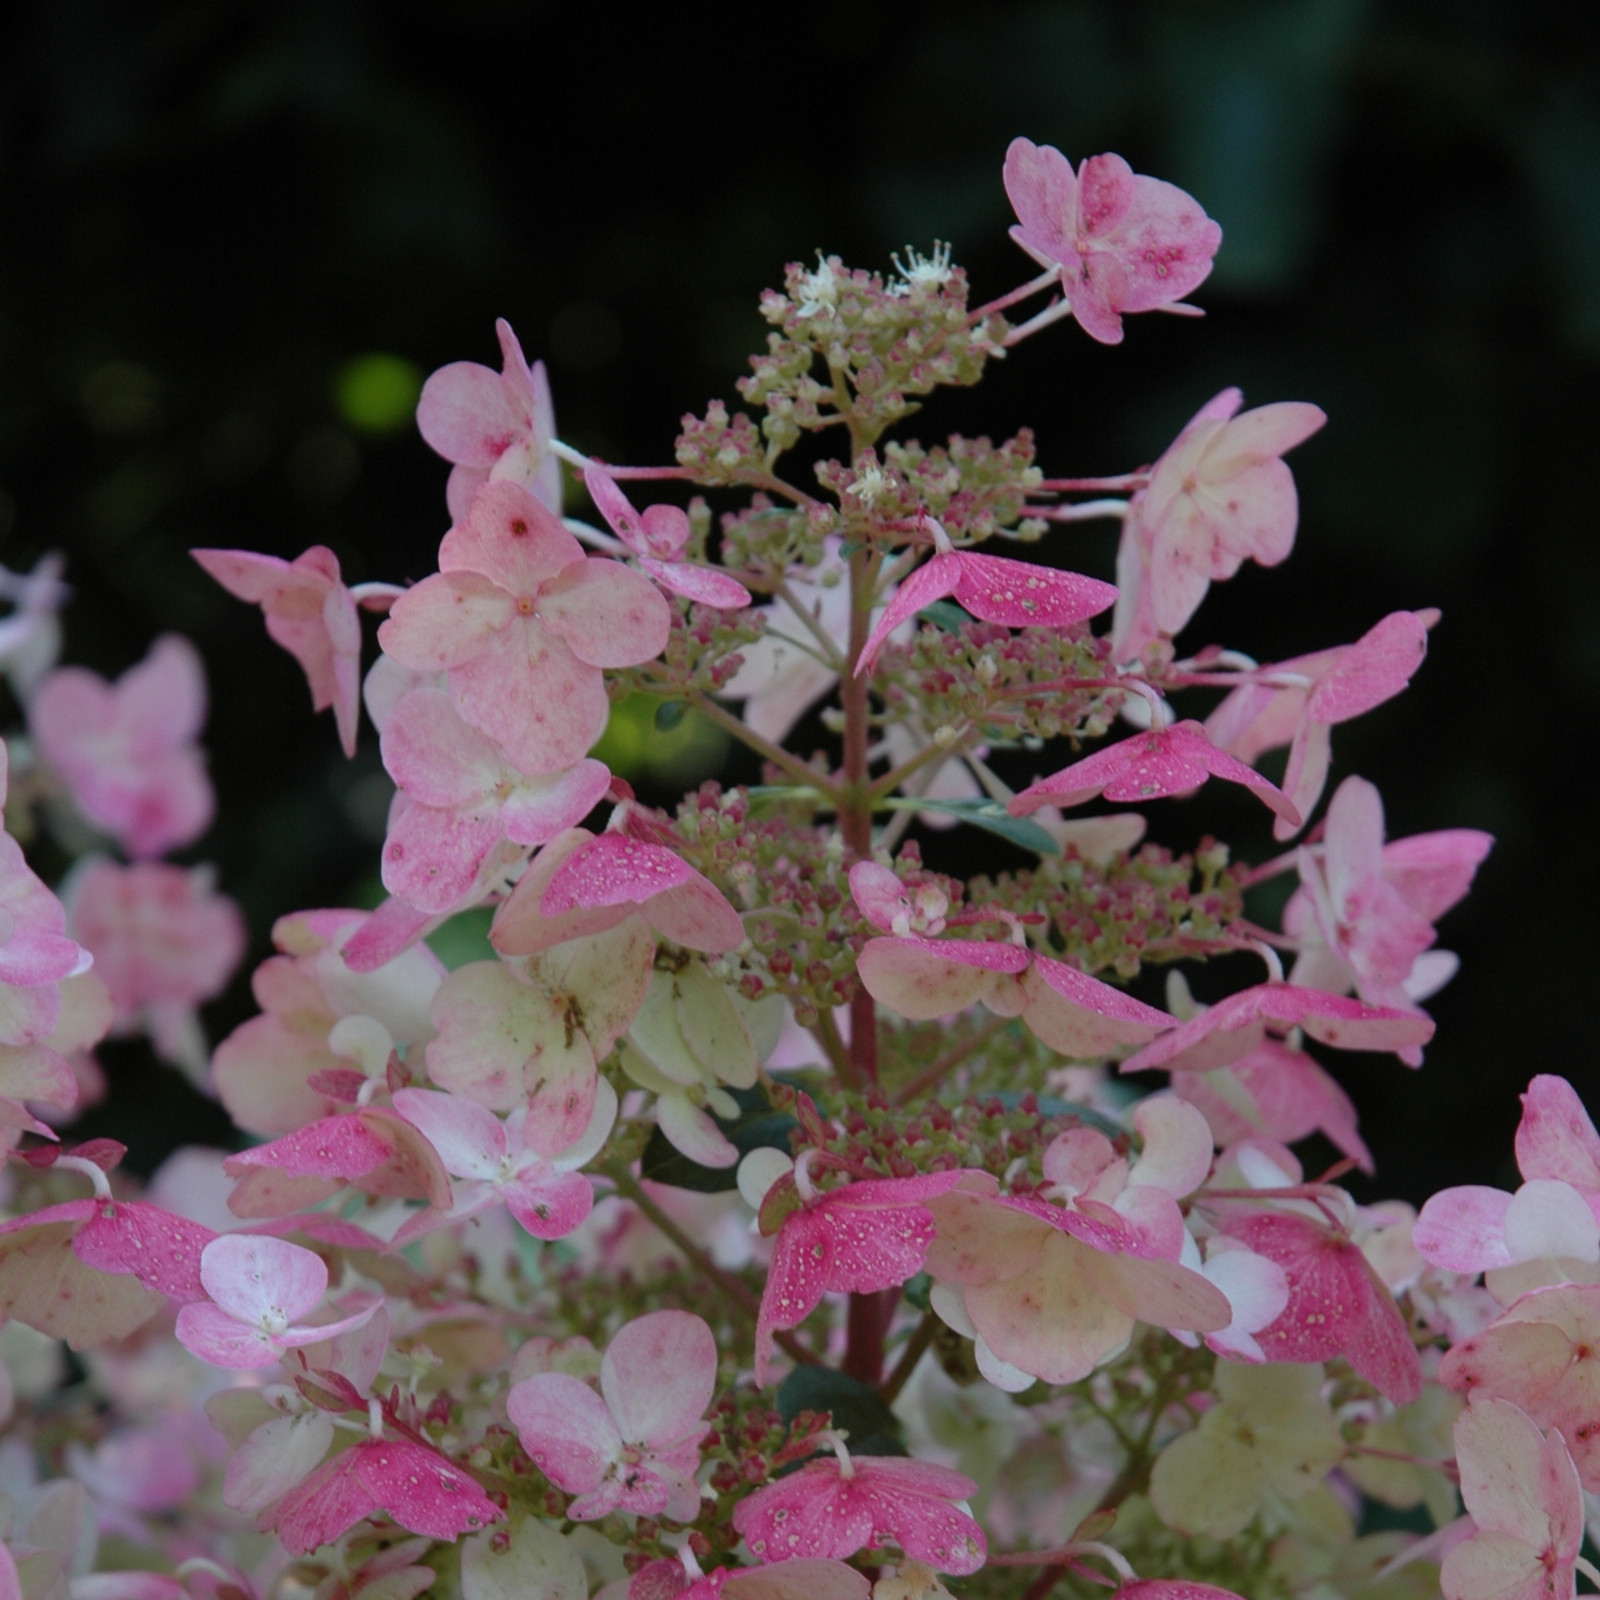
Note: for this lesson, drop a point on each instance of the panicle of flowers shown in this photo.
(749, 1203)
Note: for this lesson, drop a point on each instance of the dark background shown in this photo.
(211, 214)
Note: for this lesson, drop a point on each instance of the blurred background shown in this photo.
(235, 235)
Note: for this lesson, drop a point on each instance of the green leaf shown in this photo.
(855, 1406)
(945, 614)
(464, 938)
(757, 1125)
(985, 814)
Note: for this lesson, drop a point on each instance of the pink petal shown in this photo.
(470, 1139)
(796, 1281)
(566, 1428)
(1043, 191)
(431, 858)
(161, 1250)
(529, 692)
(511, 538)
(436, 757)
(1177, 1146)
(549, 1205)
(937, 578)
(244, 574)
(613, 869)
(1021, 594)
(1432, 871)
(1337, 1306)
(445, 621)
(421, 1490)
(333, 1147)
(1083, 1017)
(1374, 669)
(927, 978)
(1556, 1138)
(209, 1332)
(703, 585)
(251, 1277)
(539, 808)
(658, 1375)
(606, 614)
(464, 415)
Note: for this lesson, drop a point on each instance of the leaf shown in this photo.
(855, 1407)
(756, 1126)
(983, 814)
(944, 614)
(464, 938)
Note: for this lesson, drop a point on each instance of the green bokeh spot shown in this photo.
(377, 393)
(681, 747)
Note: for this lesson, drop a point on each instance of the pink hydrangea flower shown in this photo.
(923, 978)
(868, 1235)
(523, 622)
(1120, 242)
(1338, 1306)
(112, 1266)
(1325, 688)
(1365, 911)
(1163, 761)
(312, 615)
(1236, 1025)
(492, 1161)
(1219, 496)
(1049, 1291)
(462, 797)
(832, 1508)
(635, 1446)
(657, 540)
(417, 1486)
(127, 750)
(35, 950)
(1522, 1493)
(1019, 594)
(163, 941)
(1544, 1356)
(289, 1066)
(493, 425)
(1549, 1230)
(259, 1290)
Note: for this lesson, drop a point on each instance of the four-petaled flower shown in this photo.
(1120, 241)
(635, 1446)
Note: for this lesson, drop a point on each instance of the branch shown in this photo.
(775, 753)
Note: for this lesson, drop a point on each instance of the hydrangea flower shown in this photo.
(493, 425)
(127, 750)
(1119, 242)
(635, 1446)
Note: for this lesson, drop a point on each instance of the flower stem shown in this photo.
(775, 753)
(922, 1336)
(937, 1069)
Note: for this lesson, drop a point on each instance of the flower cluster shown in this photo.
(745, 1205)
